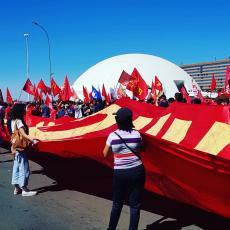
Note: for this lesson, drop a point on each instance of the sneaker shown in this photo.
(17, 191)
(28, 193)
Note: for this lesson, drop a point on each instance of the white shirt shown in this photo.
(19, 124)
(124, 158)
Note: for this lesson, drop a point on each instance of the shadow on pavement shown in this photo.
(90, 177)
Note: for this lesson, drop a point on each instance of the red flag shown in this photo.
(194, 89)
(42, 86)
(54, 87)
(66, 90)
(213, 84)
(40, 96)
(48, 90)
(227, 80)
(137, 85)
(158, 84)
(90, 95)
(28, 87)
(108, 98)
(86, 95)
(105, 95)
(124, 78)
(8, 97)
(200, 96)
(103, 92)
(132, 84)
(1, 97)
(121, 92)
(48, 101)
(36, 96)
(185, 94)
(154, 93)
(75, 96)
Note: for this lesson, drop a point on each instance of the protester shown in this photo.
(129, 173)
(2, 115)
(45, 110)
(171, 100)
(61, 111)
(78, 111)
(162, 101)
(53, 112)
(196, 101)
(21, 172)
(179, 97)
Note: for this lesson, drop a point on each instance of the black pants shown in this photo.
(131, 182)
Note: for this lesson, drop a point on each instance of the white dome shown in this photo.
(109, 71)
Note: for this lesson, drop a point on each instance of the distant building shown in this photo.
(202, 73)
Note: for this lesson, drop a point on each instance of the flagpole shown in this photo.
(20, 95)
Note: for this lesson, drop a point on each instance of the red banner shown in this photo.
(186, 153)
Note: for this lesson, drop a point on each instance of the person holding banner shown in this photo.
(129, 173)
(21, 171)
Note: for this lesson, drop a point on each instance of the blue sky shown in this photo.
(85, 32)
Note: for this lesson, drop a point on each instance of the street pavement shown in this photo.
(76, 194)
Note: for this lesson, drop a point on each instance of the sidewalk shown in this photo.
(76, 194)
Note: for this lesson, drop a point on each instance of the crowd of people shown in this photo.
(79, 108)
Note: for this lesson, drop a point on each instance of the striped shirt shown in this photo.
(123, 157)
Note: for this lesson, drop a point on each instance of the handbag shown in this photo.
(136, 154)
(17, 140)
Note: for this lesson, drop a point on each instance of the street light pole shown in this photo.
(48, 39)
(26, 35)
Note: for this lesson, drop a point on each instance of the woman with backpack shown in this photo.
(21, 171)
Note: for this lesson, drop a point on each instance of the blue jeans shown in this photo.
(127, 181)
(21, 171)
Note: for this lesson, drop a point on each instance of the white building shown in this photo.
(109, 71)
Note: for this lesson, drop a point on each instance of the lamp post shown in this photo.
(26, 35)
(48, 39)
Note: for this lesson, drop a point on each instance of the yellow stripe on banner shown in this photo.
(51, 124)
(54, 135)
(177, 131)
(141, 122)
(215, 139)
(154, 130)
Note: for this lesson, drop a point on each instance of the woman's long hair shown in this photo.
(18, 112)
(126, 125)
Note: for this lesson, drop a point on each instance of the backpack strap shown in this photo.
(15, 125)
(136, 154)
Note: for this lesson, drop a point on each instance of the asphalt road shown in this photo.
(76, 194)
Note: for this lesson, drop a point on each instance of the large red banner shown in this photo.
(186, 153)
